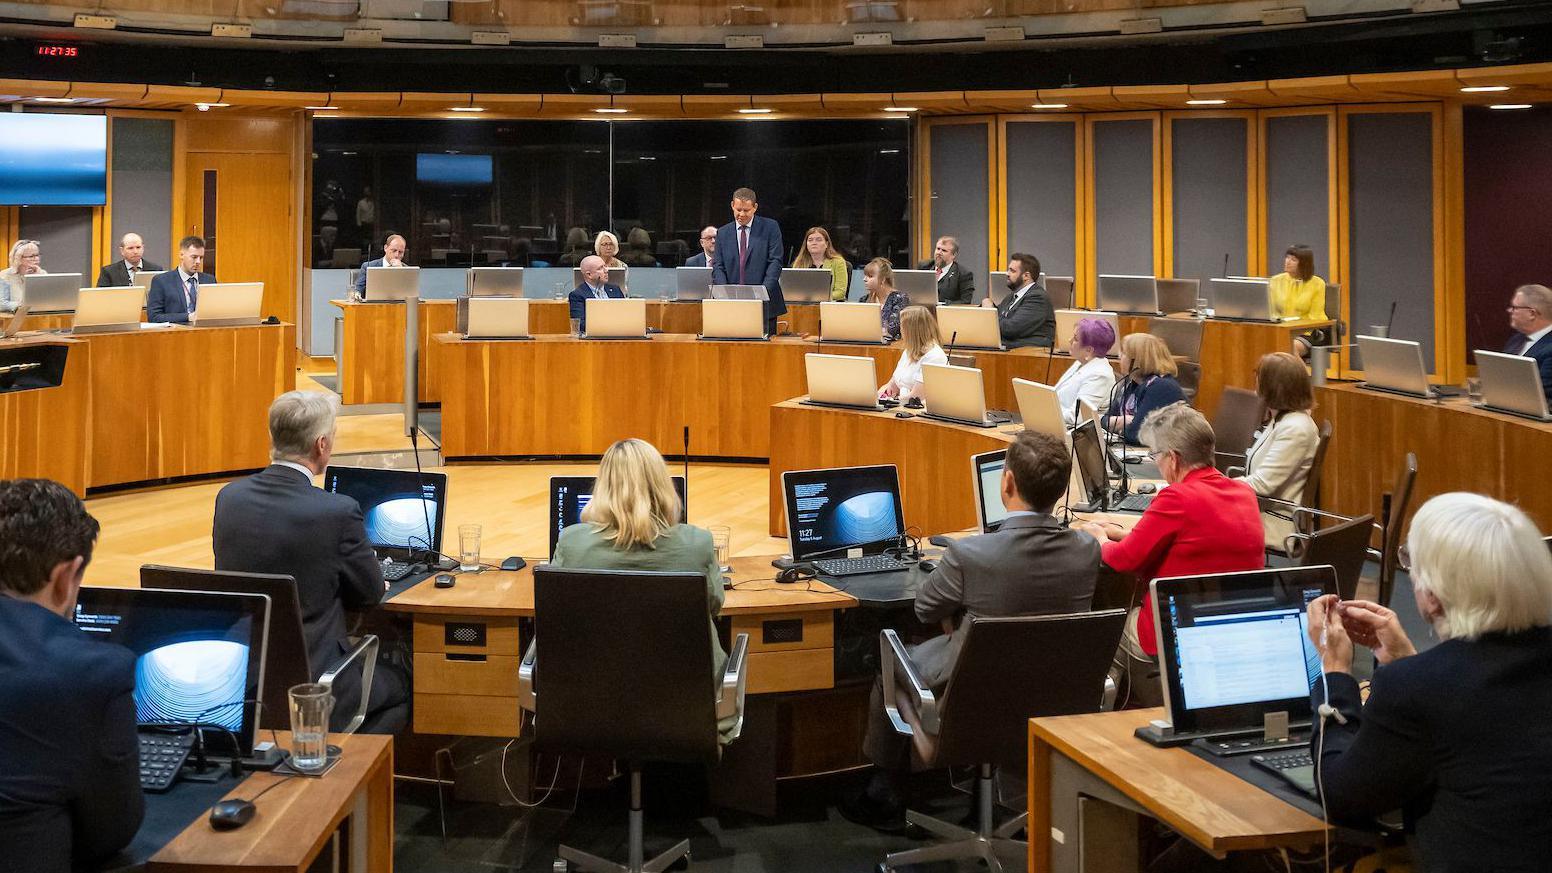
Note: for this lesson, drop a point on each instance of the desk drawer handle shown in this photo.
(461, 656)
(785, 630)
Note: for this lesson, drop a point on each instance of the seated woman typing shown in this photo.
(919, 330)
(1457, 736)
(1090, 378)
(1150, 386)
(1279, 461)
(632, 523)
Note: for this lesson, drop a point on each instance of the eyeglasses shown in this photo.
(1526, 308)
(1404, 559)
(704, 238)
(1156, 454)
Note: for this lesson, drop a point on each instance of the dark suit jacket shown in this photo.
(164, 299)
(696, 260)
(1458, 737)
(1030, 566)
(1030, 323)
(957, 285)
(1152, 395)
(116, 274)
(579, 296)
(762, 267)
(275, 521)
(69, 757)
(1542, 352)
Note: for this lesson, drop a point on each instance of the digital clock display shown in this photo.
(57, 51)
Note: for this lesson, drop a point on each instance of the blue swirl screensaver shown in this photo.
(865, 518)
(193, 680)
(396, 520)
(53, 160)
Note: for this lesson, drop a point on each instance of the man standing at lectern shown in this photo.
(749, 252)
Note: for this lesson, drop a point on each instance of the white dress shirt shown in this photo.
(908, 373)
(297, 467)
(1017, 296)
(1090, 382)
(183, 279)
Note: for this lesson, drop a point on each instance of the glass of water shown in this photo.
(721, 540)
(311, 704)
(558, 292)
(468, 547)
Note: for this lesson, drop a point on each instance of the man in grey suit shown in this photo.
(708, 246)
(1025, 317)
(1032, 565)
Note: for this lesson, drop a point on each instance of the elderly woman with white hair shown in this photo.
(25, 260)
(1459, 736)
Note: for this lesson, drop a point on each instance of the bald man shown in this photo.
(131, 261)
(595, 283)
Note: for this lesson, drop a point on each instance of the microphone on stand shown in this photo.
(949, 352)
(686, 472)
(1225, 265)
(1391, 319)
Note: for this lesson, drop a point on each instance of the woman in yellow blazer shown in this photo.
(1297, 292)
(819, 253)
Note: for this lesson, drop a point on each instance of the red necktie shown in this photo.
(743, 251)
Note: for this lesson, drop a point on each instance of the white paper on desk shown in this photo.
(154, 325)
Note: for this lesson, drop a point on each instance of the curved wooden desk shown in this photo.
(1230, 351)
(44, 431)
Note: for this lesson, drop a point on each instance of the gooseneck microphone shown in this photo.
(949, 352)
(1390, 320)
(686, 473)
(433, 556)
(1225, 265)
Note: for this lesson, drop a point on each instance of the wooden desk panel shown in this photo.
(1458, 448)
(44, 432)
(44, 320)
(1230, 351)
(372, 356)
(933, 458)
(184, 401)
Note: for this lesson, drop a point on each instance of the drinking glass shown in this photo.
(576, 327)
(311, 704)
(1474, 389)
(721, 540)
(468, 547)
(558, 292)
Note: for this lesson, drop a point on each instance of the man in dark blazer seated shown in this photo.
(708, 245)
(595, 283)
(955, 283)
(131, 261)
(1031, 565)
(1530, 314)
(1025, 317)
(275, 521)
(749, 252)
(174, 295)
(393, 256)
(69, 756)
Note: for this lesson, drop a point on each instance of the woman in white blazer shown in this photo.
(1279, 460)
(1090, 378)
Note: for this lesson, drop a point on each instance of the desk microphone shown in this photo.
(686, 472)
(1391, 319)
(1050, 357)
(1225, 265)
(949, 352)
(433, 556)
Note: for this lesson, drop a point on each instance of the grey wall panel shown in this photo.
(141, 179)
(64, 235)
(1207, 157)
(959, 204)
(1390, 185)
(1298, 207)
(1123, 196)
(1041, 187)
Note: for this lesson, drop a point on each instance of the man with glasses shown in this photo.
(708, 247)
(1530, 314)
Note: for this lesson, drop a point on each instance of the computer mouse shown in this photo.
(229, 815)
(905, 415)
(914, 403)
(445, 580)
(1146, 488)
(513, 563)
(927, 565)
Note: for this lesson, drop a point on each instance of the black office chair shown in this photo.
(628, 673)
(1395, 504)
(1009, 670)
(1345, 546)
(285, 654)
(1240, 413)
(1189, 375)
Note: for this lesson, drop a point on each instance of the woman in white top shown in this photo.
(25, 261)
(1279, 460)
(919, 335)
(1090, 378)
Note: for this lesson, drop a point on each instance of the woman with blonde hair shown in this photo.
(607, 246)
(879, 278)
(24, 261)
(1150, 386)
(819, 253)
(919, 330)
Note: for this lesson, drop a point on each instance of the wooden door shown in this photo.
(240, 204)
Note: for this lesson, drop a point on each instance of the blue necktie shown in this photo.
(193, 293)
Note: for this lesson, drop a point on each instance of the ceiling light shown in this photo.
(466, 109)
(899, 108)
(1048, 106)
(1509, 106)
(1483, 89)
(889, 151)
(206, 107)
(610, 110)
(321, 108)
(53, 99)
(719, 157)
(755, 111)
(1206, 102)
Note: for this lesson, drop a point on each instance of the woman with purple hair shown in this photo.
(1090, 378)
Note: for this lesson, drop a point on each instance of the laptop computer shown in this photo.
(732, 320)
(494, 281)
(1133, 294)
(854, 323)
(969, 327)
(986, 472)
(954, 394)
(1178, 295)
(13, 326)
(842, 520)
(616, 277)
(1242, 299)
(1059, 290)
(1039, 408)
(919, 286)
(1067, 325)
(1234, 648)
(1511, 384)
(144, 277)
(1093, 477)
(692, 283)
(51, 292)
(1394, 365)
(392, 284)
(99, 310)
(227, 304)
(1183, 336)
(616, 318)
(845, 381)
(493, 318)
(739, 292)
(806, 284)
(569, 495)
(403, 511)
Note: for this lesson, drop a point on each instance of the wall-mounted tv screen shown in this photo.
(434, 169)
(53, 159)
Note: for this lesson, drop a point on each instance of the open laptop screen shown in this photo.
(569, 495)
(987, 468)
(831, 511)
(396, 504)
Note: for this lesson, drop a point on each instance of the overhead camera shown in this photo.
(588, 79)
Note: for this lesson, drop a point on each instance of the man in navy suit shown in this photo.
(595, 283)
(748, 252)
(708, 246)
(174, 295)
(1530, 314)
(393, 256)
(69, 757)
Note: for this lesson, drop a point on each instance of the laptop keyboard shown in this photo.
(393, 571)
(161, 757)
(859, 566)
(1296, 768)
(1135, 502)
